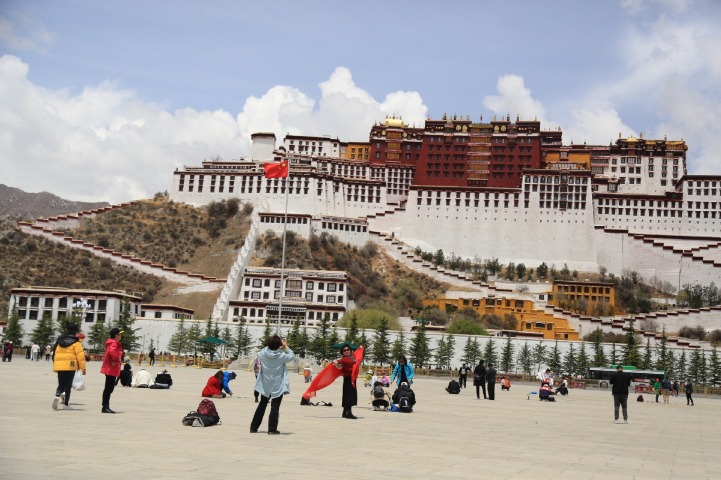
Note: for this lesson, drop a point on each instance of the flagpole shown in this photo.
(282, 262)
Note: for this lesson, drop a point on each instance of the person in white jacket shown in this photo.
(142, 379)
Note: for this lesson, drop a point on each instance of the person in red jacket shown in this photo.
(111, 366)
(214, 386)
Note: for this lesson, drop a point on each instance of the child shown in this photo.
(505, 383)
(307, 374)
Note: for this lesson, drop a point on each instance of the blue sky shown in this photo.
(104, 99)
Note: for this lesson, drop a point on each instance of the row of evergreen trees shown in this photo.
(47, 331)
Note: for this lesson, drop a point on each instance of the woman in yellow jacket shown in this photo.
(69, 357)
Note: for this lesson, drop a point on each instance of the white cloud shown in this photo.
(28, 35)
(105, 144)
(636, 6)
(515, 98)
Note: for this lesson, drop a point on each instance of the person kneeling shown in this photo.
(379, 397)
(405, 398)
(505, 383)
(213, 387)
(453, 387)
(545, 393)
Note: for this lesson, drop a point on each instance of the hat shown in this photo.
(341, 346)
(114, 331)
(404, 384)
(232, 375)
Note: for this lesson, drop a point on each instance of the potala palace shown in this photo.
(480, 190)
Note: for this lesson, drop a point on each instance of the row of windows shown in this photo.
(293, 283)
(254, 314)
(47, 302)
(344, 227)
(636, 202)
(90, 317)
(260, 295)
(293, 220)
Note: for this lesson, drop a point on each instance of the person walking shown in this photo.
(35, 352)
(463, 376)
(689, 391)
(403, 371)
(151, 356)
(479, 380)
(272, 382)
(620, 382)
(111, 366)
(657, 388)
(256, 371)
(491, 379)
(666, 389)
(69, 357)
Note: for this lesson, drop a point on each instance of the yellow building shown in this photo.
(528, 319)
(358, 150)
(590, 298)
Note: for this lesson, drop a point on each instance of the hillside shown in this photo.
(20, 204)
(199, 240)
(27, 260)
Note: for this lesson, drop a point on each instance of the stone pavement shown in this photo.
(447, 437)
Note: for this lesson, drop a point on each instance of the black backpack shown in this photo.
(404, 405)
(378, 392)
(454, 387)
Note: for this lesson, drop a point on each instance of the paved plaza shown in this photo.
(447, 437)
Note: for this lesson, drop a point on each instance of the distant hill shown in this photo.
(20, 204)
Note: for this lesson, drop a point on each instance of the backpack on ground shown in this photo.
(378, 392)
(194, 419)
(404, 405)
(207, 408)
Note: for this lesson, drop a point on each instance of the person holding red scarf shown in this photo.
(350, 394)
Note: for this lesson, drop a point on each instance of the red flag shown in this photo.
(276, 170)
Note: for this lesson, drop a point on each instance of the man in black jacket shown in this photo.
(620, 381)
(491, 380)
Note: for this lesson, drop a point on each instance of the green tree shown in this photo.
(363, 340)
(489, 352)
(714, 367)
(320, 344)
(511, 271)
(451, 347)
(381, 344)
(242, 342)
(539, 354)
(14, 329)
(420, 352)
(520, 271)
(525, 359)
(98, 334)
(542, 270)
(681, 366)
(407, 294)
(267, 332)
(304, 342)
(463, 326)
(662, 353)
(554, 358)
(647, 363)
(582, 361)
(599, 356)
(294, 336)
(125, 322)
(507, 356)
(192, 336)
(631, 355)
(399, 346)
(351, 334)
(441, 357)
(569, 362)
(178, 341)
(694, 367)
(43, 333)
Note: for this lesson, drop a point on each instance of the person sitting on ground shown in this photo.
(163, 379)
(505, 383)
(563, 389)
(405, 398)
(545, 393)
(454, 388)
(126, 375)
(213, 389)
(142, 379)
(227, 377)
(379, 397)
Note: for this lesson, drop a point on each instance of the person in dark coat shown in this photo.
(404, 397)
(491, 379)
(620, 382)
(689, 391)
(479, 380)
(126, 375)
